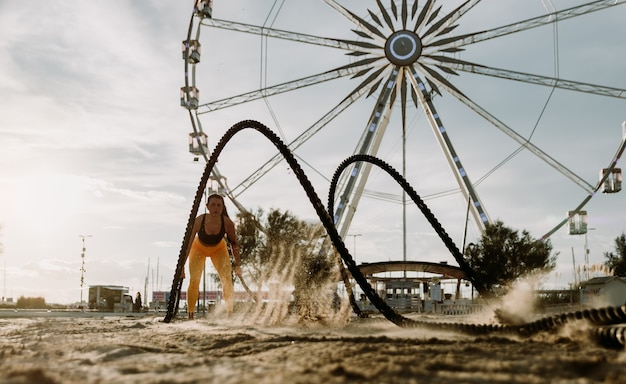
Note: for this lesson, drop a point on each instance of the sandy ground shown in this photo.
(96, 348)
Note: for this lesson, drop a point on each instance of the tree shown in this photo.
(617, 261)
(31, 302)
(250, 242)
(503, 256)
(288, 250)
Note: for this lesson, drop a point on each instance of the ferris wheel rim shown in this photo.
(197, 23)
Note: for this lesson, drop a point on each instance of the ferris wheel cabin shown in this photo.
(613, 181)
(198, 143)
(189, 97)
(191, 51)
(577, 222)
(204, 8)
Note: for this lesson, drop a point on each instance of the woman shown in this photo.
(137, 305)
(210, 229)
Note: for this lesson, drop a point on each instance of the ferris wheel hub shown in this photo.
(403, 47)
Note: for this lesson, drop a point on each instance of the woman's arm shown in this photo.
(231, 235)
(194, 230)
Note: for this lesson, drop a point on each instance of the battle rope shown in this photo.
(606, 334)
(420, 204)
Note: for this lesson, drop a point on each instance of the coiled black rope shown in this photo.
(606, 333)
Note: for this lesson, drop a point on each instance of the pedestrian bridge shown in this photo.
(417, 288)
(444, 270)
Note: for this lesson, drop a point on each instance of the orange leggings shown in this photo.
(221, 261)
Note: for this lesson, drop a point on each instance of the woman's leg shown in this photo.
(221, 261)
(197, 259)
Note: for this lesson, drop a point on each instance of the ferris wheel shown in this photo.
(497, 85)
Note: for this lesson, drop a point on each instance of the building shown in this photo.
(110, 298)
(603, 291)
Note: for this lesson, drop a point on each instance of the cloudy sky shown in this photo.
(94, 141)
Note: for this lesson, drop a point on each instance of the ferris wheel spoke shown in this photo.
(385, 14)
(446, 24)
(421, 18)
(405, 12)
(372, 32)
(369, 80)
(301, 139)
(350, 45)
(286, 87)
(531, 78)
(462, 40)
(517, 137)
(361, 90)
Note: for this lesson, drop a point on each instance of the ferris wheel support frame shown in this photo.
(467, 188)
(369, 144)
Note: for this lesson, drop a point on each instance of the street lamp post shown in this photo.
(354, 244)
(82, 268)
(587, 254)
